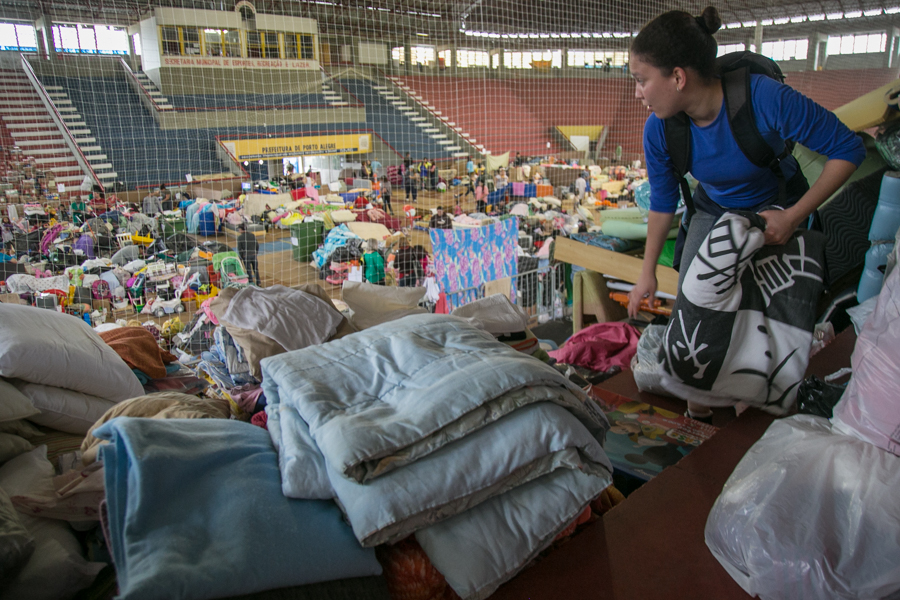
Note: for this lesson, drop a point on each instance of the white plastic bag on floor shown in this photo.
(645, 365)
(870, 408)
(810, 513)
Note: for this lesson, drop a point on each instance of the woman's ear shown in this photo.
(679, 77)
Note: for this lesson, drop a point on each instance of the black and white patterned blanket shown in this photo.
(742, 325)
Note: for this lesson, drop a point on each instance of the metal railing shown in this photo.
(540, 293)
(80, 158)
(146, 99)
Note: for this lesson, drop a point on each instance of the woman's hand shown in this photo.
(780, 226)
(644, 288)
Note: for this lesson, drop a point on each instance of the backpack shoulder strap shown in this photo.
(739, 105)
(678, 142)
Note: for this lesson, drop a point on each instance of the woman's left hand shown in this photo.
(780, 226)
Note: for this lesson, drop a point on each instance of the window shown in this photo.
(254, 44)
(232, 43)
(596, 59)
(270, 48)
(136, 38)
(543, 59)
(422, 55)
(212, 42)
(171, 43)
(729, 48)
(860, 43)
(398, 55)
(786, 49)
(472, 58)
(307, 46)
(90, 39)
(444, 57)
(19, 38)
(191, 38)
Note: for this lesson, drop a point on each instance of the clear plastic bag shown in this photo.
(645, 365)
(800, 518)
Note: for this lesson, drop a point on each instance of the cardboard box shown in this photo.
(11, 299)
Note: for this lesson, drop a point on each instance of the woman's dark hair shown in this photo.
(677, 39)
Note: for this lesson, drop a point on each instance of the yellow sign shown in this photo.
(316, 145)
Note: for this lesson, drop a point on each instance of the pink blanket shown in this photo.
(600, 347)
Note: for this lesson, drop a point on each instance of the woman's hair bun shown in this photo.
(710, 20)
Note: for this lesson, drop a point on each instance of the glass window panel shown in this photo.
(232, 42)
(8, 36)
(859, 44)
(26, 36)
(68, 39)
(137, 43)
(271, 40)
(846, 44)
(170, 43)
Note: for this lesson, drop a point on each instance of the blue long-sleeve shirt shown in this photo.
(717, 162)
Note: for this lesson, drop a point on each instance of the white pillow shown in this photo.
(22, 428)
(16, 544)
(13, 404)
(51, 348)
(65, 410)
(495, 314)
(12, 446)
(57, 570)
(375, 304)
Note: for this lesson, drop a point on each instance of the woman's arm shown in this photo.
(781, 224)
(658, 226)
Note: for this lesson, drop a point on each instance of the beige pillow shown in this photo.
(375, 304)
(14, 405)
(12, 446)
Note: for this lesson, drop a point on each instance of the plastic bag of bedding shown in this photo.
(799, 518)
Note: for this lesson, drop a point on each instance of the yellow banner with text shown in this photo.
(316, 145)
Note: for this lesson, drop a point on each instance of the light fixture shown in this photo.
(421, 34)
(834, 16)
(246, 163)
(853, 15)
(261, 161)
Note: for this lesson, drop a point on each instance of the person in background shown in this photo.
(580, 188)
(480, 196)
(373, 263)
(410, 185)
(78, 209)
(151, 206)
(440, 219)
(247, 248)
(386, 194)
(519, 160)
(470, 167)
(407, 162)
(501, 180)
(479, 169)
(366, 171)
(423, 172)
(377, 169)
(405, 261)
(8, 233)
(165, 198)
(433, 174)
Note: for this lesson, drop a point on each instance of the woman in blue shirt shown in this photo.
(673, 65)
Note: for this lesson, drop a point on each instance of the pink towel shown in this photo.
(518, 188)
(600, 347)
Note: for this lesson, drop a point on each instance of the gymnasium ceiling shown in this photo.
(441, 20)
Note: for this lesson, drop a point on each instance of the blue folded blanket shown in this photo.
(196, 511)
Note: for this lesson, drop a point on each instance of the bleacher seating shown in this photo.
(141, 152)
(490, 111)
(394, 128)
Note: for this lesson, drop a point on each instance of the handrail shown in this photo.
(80, 158)
(136, 82)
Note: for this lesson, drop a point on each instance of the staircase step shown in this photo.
(110, 175)
(68, 169)
(12, 110)
(408, 112)
(102, 166)
(60, 95)
(53, 87)
(86, 149)
(416, 119)
(454, 149)
(47, 142)
(439, 136)
(35, 101)
(423, 124)
(458, 154)
(80, 131)
(82, 124)
(380, 87)
(451, 124)
(436, 113)
(339, 103)
(67, 180)
(29, 135)
(69, 117)
(165, 107)
(444, 142)
(25, 118)
(54, 161)
(93, 157)
(87, 140)
(67, 109)
(431, 130)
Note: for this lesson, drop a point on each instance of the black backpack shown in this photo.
(735, 69)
